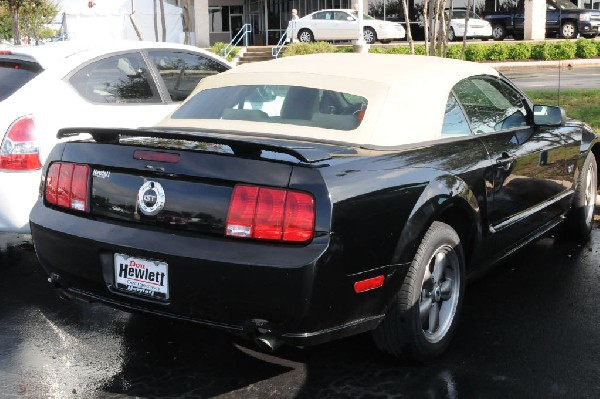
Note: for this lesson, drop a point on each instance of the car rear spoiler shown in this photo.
(243, 146)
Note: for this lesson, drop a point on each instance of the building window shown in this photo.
(218, 18)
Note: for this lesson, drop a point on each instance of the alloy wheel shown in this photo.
(439, 294)
(589, 194)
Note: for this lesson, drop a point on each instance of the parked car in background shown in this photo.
(562, 18)
(44, 88)
(477, 28)
(296, 201)
(330, 25)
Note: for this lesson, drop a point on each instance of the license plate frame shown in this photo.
(147, 278)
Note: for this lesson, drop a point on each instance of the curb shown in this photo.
(564, 64)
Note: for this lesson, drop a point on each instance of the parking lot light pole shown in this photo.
(360, 46)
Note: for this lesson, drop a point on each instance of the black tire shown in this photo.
(568, 30)
(388, 41)
(580, 218)
(406, 329)
(369, 35)
(451, 35)
(498, 32)
(305, 36)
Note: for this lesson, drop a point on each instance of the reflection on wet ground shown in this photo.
(530, 329)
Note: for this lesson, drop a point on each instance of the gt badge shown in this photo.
(151, 198)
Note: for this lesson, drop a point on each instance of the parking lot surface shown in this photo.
(530, 329)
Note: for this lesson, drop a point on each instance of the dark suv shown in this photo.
(562, 18)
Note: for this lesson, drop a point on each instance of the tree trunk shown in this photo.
(131, 18)
(426, 25)
(464, 44)
(411, 43)
(451, 10)
(187, 21)
(14, 14)
(433, 20)
(162, 20)
(155, 21)
(442, 34)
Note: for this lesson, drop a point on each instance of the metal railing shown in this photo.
(242, 34)
(279, 46)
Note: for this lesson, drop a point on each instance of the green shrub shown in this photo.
(399, 50)
(308, 48)
(378, 50)
(543, 51)
(520, 51)
(390, 50)
(218, 48)
(476, 52)
(420, 49)
(498, 52)
(564, 50)
(344, 49)
(586, 48)
(454, 51)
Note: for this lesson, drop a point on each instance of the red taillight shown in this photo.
(20, 148)
(270, 214)
(67, 185)
(268, 222)
(240, 218)
(156, 156)
(299, 217)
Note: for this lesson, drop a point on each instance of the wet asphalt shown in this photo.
(530, 329)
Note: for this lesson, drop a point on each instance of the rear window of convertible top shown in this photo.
(292, 105)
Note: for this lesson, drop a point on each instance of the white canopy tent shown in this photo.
(118, 19)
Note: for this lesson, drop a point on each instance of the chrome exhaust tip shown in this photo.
(267, 342)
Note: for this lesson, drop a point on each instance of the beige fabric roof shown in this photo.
(406, 94)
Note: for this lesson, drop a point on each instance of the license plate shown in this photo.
(143, 277)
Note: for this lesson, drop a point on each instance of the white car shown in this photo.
(343, 25)
(69, 84)
(477, 27)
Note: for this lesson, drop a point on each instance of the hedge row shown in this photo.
(563, 50)
(219, 46)
(298, 48)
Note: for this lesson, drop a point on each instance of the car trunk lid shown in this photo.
(180, 180)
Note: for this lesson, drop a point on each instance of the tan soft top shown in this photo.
(406, 94)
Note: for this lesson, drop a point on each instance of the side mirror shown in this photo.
(349, 18)
(548, 115)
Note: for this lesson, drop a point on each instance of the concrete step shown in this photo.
(258, 54)
(259, 48)
(255, 56)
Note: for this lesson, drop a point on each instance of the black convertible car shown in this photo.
(306, 199)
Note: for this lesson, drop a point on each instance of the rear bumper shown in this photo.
(298, 294)
(18, 193)
(390, 33)
(479, 32)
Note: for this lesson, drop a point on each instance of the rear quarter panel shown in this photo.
(383, 204)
